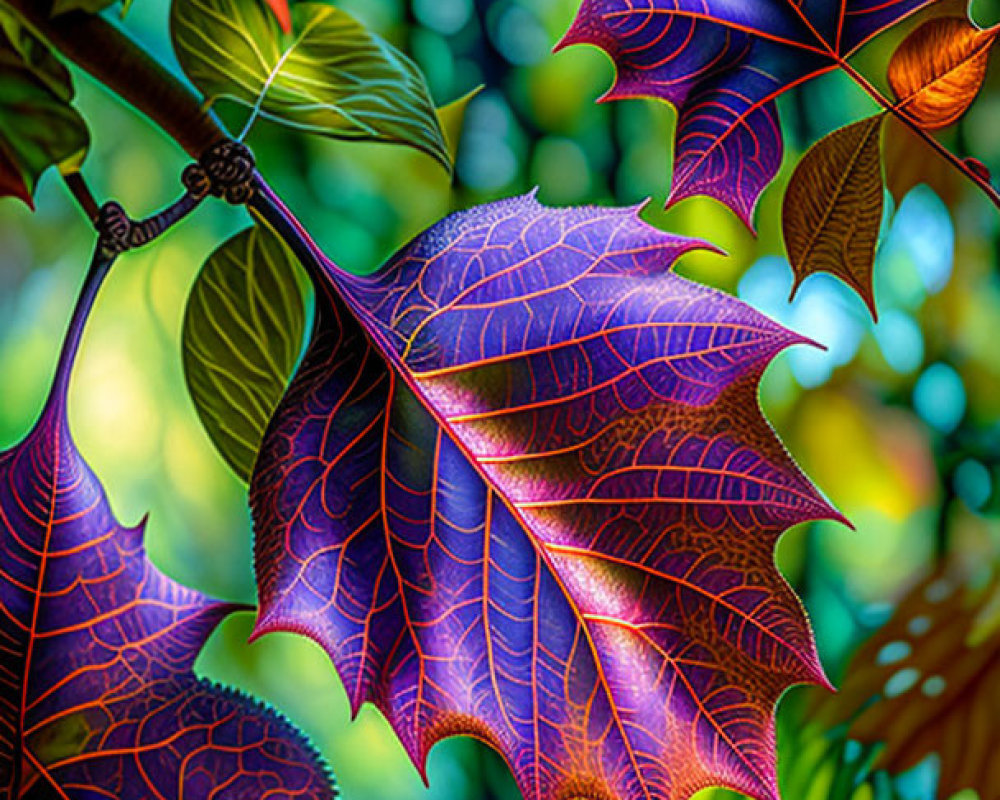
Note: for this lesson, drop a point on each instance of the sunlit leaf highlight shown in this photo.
(521, 489)
(937, 72)
(330, 76)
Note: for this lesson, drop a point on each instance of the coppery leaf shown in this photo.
(833, 208)
(909, 161)
(939, 69)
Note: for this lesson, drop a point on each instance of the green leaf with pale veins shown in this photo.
(242, 336)
(329, 76)
(38, 125)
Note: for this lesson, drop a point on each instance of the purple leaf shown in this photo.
(723, 63)
(98, 696)
(530, 497)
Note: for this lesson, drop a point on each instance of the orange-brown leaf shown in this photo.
(938, 71)
(935, 671)
(833, 208)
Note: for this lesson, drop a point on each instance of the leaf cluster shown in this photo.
(516, 483)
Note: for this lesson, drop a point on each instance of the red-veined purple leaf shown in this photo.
(723, 64)
(98, 696)
(521, 489)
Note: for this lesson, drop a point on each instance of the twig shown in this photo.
(988, 189)
(112, 57)
(80, 190)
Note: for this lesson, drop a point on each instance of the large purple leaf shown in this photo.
(723, 63)
(97, 696)
(521, 489)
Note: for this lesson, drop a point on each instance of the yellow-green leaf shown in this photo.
(242, 336)
(89, 6)
(329, 76)
(833, 208)
(452, 119)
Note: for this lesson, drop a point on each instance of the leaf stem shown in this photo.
(266, 202)
(80, 189)
(983, 183)
(122, 65)
(100, 265)
(116, 233)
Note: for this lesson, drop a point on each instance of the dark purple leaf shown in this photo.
(723, 63)
(98, 696)
(530, 497)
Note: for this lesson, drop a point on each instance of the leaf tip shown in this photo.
(265, 623)
(575, 34)
(282, 13)
(745, 212)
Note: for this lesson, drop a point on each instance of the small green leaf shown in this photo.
(243, 332)
(452, 118)
(330, 76)
(38, 126)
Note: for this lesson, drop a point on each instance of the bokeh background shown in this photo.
(898, 423)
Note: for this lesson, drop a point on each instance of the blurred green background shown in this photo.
(899, 423)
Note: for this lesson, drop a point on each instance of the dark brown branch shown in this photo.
(113, 58)
(80, 190)
(124, 67)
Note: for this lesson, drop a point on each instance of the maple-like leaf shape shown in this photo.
(97, 696)
(521, 489)
(722, 64)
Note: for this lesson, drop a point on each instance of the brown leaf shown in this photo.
(939, 69)
(910, 161)
(833, 208)
(935, 672)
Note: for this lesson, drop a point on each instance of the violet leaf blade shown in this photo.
(99, 697)
(521, 489)
(722, 64)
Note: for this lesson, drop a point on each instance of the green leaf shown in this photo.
(452, 118)
(243, 332)
(330, 76)
(38, 126)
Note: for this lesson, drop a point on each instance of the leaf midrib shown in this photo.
(398, 368)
